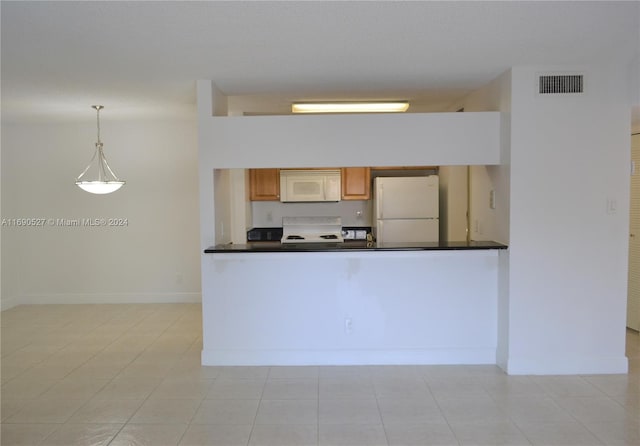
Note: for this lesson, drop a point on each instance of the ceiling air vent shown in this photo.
(561, 83)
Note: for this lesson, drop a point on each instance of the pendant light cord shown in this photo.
(98, 120)
(98, 108)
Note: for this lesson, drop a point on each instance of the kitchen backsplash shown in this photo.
(270, 213)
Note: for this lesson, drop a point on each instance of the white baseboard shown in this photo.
(101, 298)
(568, 366)
(9, 302)
(220, 357)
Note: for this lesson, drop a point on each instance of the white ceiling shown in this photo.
(142, 58)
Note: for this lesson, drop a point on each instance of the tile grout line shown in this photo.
(255, 417)
(585, 426)
(190, 423)
(384, 428)
(318, 409)
(511, 420)
(426, 381)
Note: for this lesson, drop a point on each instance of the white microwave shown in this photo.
(309, 185)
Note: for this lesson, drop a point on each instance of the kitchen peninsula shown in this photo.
(352, 304)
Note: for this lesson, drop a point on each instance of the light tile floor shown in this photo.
(119, 375)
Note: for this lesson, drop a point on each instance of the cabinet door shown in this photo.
(356, 183)
(264, 184)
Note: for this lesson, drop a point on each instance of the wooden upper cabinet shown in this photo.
(356, 183)
(264, 184)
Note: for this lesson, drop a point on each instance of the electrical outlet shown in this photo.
(348, 325)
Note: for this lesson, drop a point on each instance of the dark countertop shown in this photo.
(352, 246)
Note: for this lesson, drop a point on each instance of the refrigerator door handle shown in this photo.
(381, 201)
(324, 188)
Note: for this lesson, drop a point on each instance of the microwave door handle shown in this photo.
(324, 188)
(381, 201)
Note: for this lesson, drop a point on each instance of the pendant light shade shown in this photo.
(98, 178)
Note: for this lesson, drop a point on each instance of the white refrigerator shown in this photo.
(405, 209)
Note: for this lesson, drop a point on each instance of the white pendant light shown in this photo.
(98, 178)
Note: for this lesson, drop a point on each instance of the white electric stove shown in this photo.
(312, 230)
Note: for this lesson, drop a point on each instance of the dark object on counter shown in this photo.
(356, 232)
(264, 234)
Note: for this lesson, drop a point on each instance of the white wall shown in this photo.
(223, 200)
(488, 223)
(568, 252)
(493, 224)
(413, 139)
(634, 88)
(154, 258)
(352, 212)
(562, 283)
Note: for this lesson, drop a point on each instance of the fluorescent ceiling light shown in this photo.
(350, 107)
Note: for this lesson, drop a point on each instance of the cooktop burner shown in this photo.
(311, 230)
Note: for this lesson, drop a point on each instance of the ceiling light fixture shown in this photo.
(98, 178)
(350, 107)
